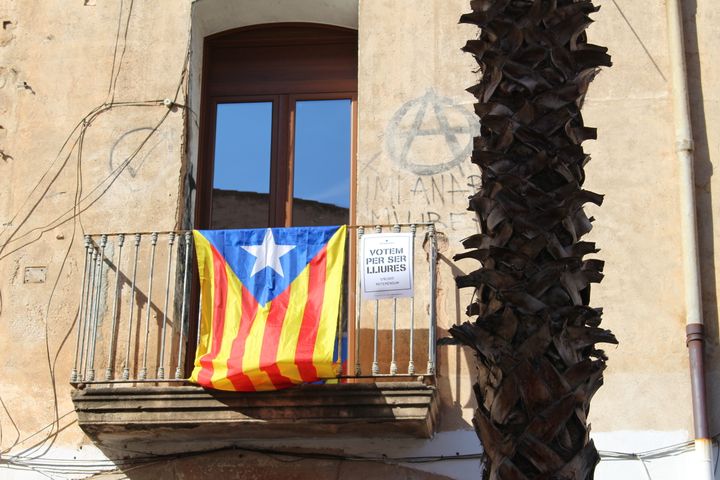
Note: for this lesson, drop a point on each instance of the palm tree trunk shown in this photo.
(535, 334)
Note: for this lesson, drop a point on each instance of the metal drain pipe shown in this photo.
(684, 147)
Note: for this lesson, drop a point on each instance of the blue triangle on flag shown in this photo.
(267, 260)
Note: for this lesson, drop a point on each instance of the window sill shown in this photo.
(112, 415)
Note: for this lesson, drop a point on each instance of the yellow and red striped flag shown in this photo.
(270, 306)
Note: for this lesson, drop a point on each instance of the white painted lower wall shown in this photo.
(671, 464)
(674, 464)
(55, 463)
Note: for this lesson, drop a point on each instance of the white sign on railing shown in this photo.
(387, 265)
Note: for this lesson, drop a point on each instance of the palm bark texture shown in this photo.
(535, 334)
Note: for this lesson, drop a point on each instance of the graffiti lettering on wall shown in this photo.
(430, 135)
(443, 189)
(436, 198)
(444, 221)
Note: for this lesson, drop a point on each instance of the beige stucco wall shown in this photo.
(56, 61)
(415, 126)
(638, 226)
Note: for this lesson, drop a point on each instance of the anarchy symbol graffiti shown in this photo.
(430, 134)
(134, 149)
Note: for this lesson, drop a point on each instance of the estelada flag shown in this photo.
(270, 301)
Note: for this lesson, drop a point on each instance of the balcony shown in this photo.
(137, 332)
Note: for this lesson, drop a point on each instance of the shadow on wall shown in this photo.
(703, 197)
(455, 385)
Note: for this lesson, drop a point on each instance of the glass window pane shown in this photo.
(321, 184)
(241, 180)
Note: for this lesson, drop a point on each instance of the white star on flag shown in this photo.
(268, 254)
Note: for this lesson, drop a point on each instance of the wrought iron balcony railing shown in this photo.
(137, 321)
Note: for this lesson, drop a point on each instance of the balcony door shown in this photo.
(278, 127)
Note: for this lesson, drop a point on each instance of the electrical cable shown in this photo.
(644, 465)
(115, 49)
(75, 467)
(73, 212)
(12, 421)
(77, 212)
(112, 178)
(38, 432)
(47, 172)
(122, 54)
(83, 125)
(124, 464)
(52, 365)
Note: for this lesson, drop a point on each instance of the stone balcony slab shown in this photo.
(116, 415)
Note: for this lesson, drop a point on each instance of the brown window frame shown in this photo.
(331, 75)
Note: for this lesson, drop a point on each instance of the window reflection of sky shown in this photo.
(242, 147)
(322, 149)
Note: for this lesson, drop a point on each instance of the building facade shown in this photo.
(106, 127)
